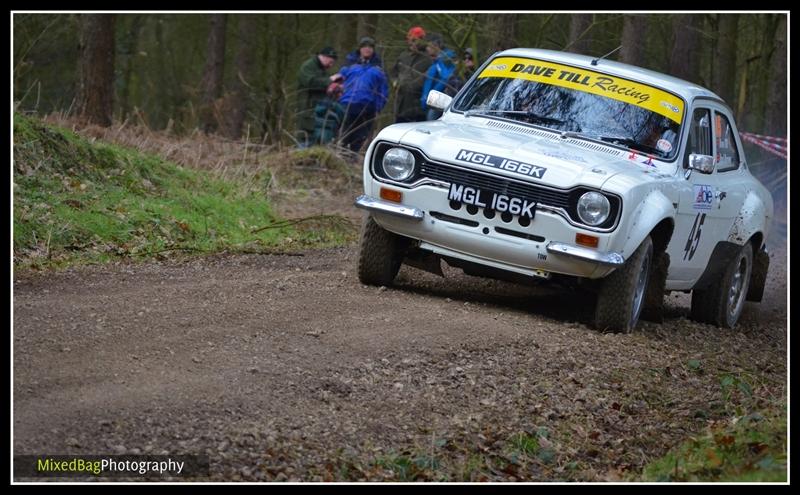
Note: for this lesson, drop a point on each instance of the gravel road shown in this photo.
(284, 367)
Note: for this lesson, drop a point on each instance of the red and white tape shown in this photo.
(775, 145)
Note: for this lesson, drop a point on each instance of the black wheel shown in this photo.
(722, 303)
(622, 293)
(380, 254)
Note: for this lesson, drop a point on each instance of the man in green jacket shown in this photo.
(312, 81)
(408, 74)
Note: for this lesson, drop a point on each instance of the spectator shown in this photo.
(365, 93)
(462, 74)
(438, 73)
(364, 54)
(408, 74)
(328, 115)
(312, 81)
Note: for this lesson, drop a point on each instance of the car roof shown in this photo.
(685, 89)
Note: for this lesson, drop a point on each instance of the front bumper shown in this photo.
(583, 253)
(547, 245)
(371, 204)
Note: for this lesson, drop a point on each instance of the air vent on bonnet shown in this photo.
(547, 135)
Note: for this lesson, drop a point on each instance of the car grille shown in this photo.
(450, 174)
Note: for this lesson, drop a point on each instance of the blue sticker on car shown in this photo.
(703, 197)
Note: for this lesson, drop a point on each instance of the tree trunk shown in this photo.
(367, 25)
(96, 67)
(348, 33)
(163, 98)
(503, 31)
(775, 122)
(244, 73)
(579, 27)
(129, 51)
(724, 75)
(213, 72)
(276, 60)
(634, 30)
(684, 58)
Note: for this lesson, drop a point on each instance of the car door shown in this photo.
(706, 207)
(729, 170)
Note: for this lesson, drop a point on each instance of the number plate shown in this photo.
(492, 200)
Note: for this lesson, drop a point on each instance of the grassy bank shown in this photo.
(82, 201)
(753, 449)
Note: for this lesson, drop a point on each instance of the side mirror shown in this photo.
(702, 163)
(438, 100)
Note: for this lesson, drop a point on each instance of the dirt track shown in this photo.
(285, 367)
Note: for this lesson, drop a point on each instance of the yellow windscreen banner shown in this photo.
(636, 93)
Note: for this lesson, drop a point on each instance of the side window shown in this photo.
(699, 135)
(727, 158)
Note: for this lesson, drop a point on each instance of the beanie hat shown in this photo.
(415, 33)
(366, 41)
(328, 52)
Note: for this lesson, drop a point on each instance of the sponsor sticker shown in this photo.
(669, 106)
(564, 156)
(636, 93)
(501, 163)
(703, 197)
(664, 145)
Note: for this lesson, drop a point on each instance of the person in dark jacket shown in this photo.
(366, 91)
(312, 81)
(328, 115)
(408, 76)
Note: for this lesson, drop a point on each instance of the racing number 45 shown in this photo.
(694, 236)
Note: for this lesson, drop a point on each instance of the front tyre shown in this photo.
(622, 293)
(722, 303)
(380, 254)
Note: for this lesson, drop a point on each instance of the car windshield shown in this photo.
(583, 103)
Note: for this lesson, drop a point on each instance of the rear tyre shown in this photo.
(380, 254)
(721, 304)
(622, 294)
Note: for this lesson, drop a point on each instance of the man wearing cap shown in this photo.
(312, 81)
(408, 74)
(364, 54)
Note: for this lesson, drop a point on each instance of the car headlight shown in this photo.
(398, 164)
(593, 208)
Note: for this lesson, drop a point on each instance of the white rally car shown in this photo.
(555, 166)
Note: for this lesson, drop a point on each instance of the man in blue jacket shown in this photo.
(438, 73)
(366, 91)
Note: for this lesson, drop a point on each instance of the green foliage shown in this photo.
(524, 444)
(406, 467)
(752, 449)
(76, 201)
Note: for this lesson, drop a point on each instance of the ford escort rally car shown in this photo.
(556, 166)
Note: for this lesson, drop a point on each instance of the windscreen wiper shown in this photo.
(489, 112)
(631, 143)
(530, 115)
